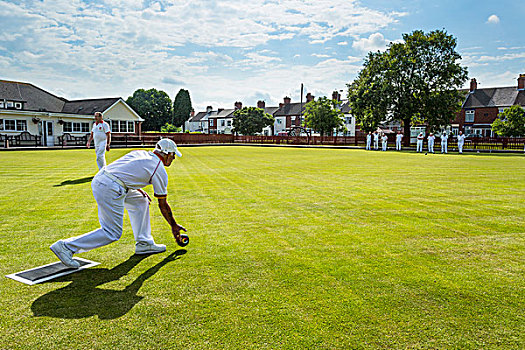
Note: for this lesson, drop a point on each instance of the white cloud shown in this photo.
(493, 19)
(492, 79)
(320, 55)
(100, 49)
(374, 42)
(342, 43)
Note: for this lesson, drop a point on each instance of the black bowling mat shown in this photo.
(49, 271)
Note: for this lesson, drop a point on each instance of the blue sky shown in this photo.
(230, 50)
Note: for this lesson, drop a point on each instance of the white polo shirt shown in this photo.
(399, 137)
(99, 132)
(431, 138)
(461, 138)
(138, 169)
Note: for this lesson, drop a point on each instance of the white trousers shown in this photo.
(431, 146)
(368, 144)
(376, 144)
(111, 200)
(460, 147)
(398, 145)
(444, 147)
(385, 144)
(419, 146)
(100, 150)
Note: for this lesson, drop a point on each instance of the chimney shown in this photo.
(473, 84)
(261, 104)
(238, 105)
(209, 109)
(336, 96)
(281, 105)
(309, 97)
(220, 110)
(287, 100)
(192, 114)
(521, 82)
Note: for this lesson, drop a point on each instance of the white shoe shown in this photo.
(147, 248)
(64, 254)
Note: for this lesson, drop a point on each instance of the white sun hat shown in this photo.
(167, 146)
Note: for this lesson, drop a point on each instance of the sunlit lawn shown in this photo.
(290, 248)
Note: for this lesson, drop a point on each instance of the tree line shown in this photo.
(414, 82)
(159, 112)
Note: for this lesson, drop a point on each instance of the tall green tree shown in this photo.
(153, 105)
(323, 116)
(251, 120)
(510, 122)
(366, 93)
(181, 108)
(414, 82)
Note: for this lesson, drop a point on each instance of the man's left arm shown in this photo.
(108, 140)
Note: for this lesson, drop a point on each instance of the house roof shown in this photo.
(89, 106)
(34, 98)
(37, 99)
(492, 97)
(271, 110)
(290, 109)
(225, 113)
(345, 108)
(197, 117)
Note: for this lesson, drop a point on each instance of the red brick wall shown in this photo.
(485, 115)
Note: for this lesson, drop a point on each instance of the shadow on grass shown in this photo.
(75, 182)
(82, 298)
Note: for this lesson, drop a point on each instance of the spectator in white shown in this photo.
(368, 140)
(461, 141)
(430, 140)
(376, 140)
(399, 138)
(419, 144)
(102, 136)
(444, 141)
(119, 186)
(384, 138)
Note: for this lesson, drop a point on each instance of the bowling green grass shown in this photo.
(290, 249)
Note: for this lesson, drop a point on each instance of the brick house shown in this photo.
(482, 106)
(290, 114)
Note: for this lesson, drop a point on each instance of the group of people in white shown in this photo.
(376, 136)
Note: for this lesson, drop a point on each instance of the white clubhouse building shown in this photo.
(25, 108)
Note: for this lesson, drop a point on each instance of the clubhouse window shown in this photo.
(13, 125)
(76, 127)
(122, 126)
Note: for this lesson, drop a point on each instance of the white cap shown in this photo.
(167, 146)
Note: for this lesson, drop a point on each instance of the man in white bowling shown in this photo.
(444, 142)
(119, 186)
(384, 138)
(430, 141)
(101, 134)
(419, 144)
(461, 142)
(399, 138)
(368, 140)
(376, 140)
